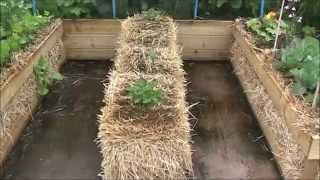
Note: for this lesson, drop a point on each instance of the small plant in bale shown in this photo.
(152, 55)
(145, 93)
(45, 75)
(152, 14)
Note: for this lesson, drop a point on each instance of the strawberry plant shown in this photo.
(145, 93)
(45, 75)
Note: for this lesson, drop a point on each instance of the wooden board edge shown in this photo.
(16, 80)
(281, 101)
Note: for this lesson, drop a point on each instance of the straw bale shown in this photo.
(20, 106)
(290, 156)
(137, 143)
(150, 60)
(157, 32)
(121, 106)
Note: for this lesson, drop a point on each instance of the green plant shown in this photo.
(145, 93)
(45, 75)
(302, 61)
(17, 27)
(152, 55)
(152, 13)
(265, 29)
(69, 8)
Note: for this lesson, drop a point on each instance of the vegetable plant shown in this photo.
(265, 28)
(301, 60)
(17, 27)
(152, 13)
(45, 75)
(145, 93)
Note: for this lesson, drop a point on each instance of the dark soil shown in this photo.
(59, 143)
(228, 142)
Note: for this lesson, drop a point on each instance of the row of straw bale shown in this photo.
(146, 142)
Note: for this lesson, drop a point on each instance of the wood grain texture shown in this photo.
(19, 77)
(95, 39)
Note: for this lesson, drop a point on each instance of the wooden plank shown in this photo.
(277, 96)
(90, 54)
(88, 39)
(18, 78)
(109, 53)
(91, 26)
(204, 27)
(205, 42)
(314, 152)
(103, 26)
(311, 168)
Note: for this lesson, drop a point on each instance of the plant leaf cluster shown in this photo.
(145, 93)
(45, 75)
(18, 27)
(152, 14)
(301, 60)
(265, 29)
(69, 8)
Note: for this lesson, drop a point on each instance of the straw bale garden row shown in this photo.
(158, 89)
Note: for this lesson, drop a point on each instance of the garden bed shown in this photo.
(19, 91)
(289, 126)
(294, 136)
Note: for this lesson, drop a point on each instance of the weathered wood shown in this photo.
(314, 152)
(16, 80)
(201, 40)
(277, 95)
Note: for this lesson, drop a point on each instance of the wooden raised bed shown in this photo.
(90, 39)
(22, 83)
(309, 143)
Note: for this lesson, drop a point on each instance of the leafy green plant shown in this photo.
(145, 93)
(152, 55)
(69, 8)
(45, 75)
(152, 13)
(17, 27)
(301, 60)
(264, 29)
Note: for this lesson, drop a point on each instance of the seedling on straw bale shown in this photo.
(145, 93)
(152, 13)
(151, 55)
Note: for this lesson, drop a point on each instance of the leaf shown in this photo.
(57, 76)
(298, 89)
(236, 4)
(4, 52)
(220, 3)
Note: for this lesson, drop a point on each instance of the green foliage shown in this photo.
(152, 55)
(264, 29)
(309, 31)
(45, 75)
(152, 14)
(69, 8)
(145, 93)
(302, 61)
(18, 27)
